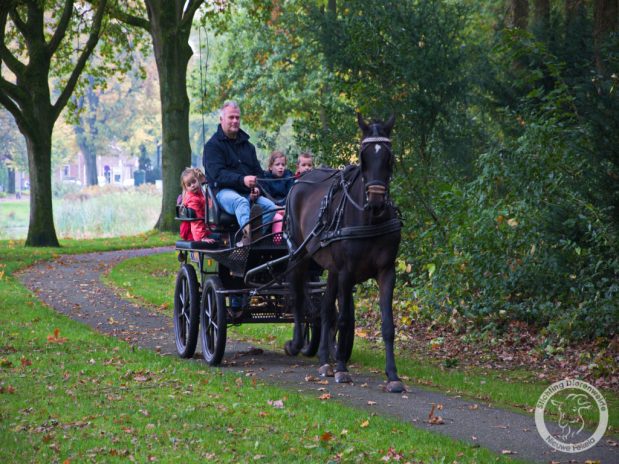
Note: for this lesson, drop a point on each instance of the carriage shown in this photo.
(343, 221)
(222, 284)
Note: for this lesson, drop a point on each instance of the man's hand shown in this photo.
(250, 181)
(255, 193)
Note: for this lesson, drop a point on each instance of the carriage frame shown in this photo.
(223, 284)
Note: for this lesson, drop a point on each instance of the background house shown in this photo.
(117, 170)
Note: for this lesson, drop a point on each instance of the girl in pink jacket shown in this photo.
(193, 197)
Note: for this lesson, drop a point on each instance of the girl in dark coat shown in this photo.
(280, 179)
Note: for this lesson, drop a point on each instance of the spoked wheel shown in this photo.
(214, 322)
(311, 338)
(186, 311)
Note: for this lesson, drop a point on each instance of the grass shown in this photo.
(151, 279)
(69, 394)
(14, 217)
(106, 211)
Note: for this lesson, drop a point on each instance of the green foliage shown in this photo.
(531, 238)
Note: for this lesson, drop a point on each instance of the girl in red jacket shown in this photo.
(193, 197)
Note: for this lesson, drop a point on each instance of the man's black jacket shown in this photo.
(227, 161)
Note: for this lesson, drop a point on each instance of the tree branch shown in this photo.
(130, 19)
(19, 24)
(16, 66)
(12, 91)
(10, 104)
(81, 62)
(190, 11)
(61, 30)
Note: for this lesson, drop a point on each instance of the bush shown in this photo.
(530, 238)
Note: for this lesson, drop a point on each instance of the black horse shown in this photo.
(345, 221)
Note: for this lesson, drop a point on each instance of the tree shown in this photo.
(605, 21)
(27, 50)
(541, 16)
(86, 129)
(518, 13)
(169, 25)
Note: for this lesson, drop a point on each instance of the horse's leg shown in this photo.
(345, 327)
(327, 308)
(292, 347)
(386, 283)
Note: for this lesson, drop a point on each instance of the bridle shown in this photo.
(376, 187)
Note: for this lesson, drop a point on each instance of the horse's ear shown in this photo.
(389, 124)
(362, 124)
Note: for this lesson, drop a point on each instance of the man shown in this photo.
(232, 169)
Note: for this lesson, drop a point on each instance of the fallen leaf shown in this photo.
(365, 423)
(277, 404)
(327, 436)
(56, 338)
(371, 403)
(434, 419)
(473, 407)
(506, 451)
(25, 362)
(325, 396)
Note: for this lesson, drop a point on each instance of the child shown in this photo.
(193, 197)
(305, 162)
(278, 189)
(280, 179)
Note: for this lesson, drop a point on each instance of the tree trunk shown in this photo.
(541, 17)
(11, 180)
(86, 131)
(604, 22)
(518, 14)
(41, 231)
(88, 151)
(573, 13)
(172, 53)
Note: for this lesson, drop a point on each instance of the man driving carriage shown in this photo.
(232, 170)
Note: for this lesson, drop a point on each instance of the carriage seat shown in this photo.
(187, 245)
(183, 213)
(216, 217)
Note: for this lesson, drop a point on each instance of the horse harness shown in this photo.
(331, 230)
(328, 231)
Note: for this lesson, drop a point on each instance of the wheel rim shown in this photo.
(183, 314)
(212, 329)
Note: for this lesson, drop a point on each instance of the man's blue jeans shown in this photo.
(234, 203)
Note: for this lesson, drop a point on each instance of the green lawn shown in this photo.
(14, 217)
(104, 211)
(68, 394)
(151, 279)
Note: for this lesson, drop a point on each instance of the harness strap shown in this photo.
(360, 232)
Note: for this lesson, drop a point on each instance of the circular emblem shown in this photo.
(571, 399)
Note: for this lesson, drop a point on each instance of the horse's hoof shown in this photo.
(325, 371)
(289, 349)
(395, 386)
(343, 377)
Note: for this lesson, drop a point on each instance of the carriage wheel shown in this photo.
(214, 322)
(186, 311)
(311, 338)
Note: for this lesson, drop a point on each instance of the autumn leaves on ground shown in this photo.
(71, 395)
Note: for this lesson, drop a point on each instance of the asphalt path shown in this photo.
(71, 285)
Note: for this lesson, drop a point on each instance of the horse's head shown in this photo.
(376, 160)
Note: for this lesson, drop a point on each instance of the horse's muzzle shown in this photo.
(377, 190)
(376, 196)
